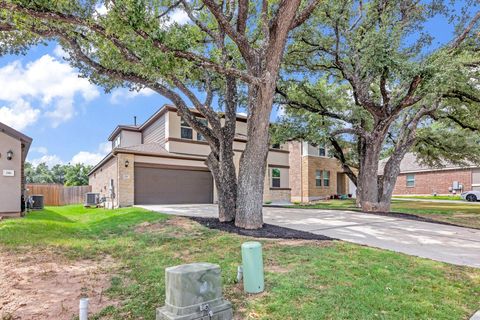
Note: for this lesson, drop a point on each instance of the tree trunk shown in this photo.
(251, 178)
(369, 185)
(226, 185)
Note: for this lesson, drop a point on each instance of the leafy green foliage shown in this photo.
(369, 70)
(68, 175)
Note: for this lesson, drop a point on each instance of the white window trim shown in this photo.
(277, 178)
(326, 178)
(407, 180)
(185, 126)
(319, 177)
(117, 141)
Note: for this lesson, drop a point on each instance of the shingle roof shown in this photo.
(410, 164)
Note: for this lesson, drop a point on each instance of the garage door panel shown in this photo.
(170, 186)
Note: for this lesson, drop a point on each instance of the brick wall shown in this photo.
(126, 180)
(100, 180)
(311, 191)
(433, 182)
(295, 171)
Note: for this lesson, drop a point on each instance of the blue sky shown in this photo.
(69, 118)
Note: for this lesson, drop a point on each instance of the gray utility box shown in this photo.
(194, 291)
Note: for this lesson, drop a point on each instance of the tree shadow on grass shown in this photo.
(48, 215)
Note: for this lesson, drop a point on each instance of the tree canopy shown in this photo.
(68, 175)
(371, 77)
(224, 45)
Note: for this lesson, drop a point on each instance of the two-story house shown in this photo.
(162, 161)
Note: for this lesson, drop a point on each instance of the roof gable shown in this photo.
(26, 140)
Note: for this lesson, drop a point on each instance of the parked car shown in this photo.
(471, 196)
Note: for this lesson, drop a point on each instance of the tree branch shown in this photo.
(304, 15)
(238, 38)
(461, 37)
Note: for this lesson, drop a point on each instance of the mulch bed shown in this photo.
(268, 231)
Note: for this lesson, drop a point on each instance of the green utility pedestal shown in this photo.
(252, 261)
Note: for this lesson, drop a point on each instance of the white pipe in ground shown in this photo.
(83, 315)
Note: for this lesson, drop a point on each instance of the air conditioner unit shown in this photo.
(92, 199)
(37, 202)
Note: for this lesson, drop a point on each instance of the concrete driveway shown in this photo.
(445, 243)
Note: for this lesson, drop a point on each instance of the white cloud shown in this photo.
(49, 160)
(87, 158)
(19, 114)
(280, 111)
(47, 82)
(101, 9)
(119, 95)
(105, 147)
(59, 52)
(41, 150)
(179, 16)
(92, 158)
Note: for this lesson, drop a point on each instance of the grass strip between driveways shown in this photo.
(466, 215)
(304, 279)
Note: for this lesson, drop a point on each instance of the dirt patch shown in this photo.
(268, 231)
(173, 227)
(46, 286)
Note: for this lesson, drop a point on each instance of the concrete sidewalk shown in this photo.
(444, 243)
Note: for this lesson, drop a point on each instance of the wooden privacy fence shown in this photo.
(57, 194)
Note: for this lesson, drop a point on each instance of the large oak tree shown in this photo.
(226, 44)
(373, 81)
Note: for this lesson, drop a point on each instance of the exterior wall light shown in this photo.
(10, 155)
(127, 163)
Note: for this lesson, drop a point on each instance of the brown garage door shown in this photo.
(155, 185)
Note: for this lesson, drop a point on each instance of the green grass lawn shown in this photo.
(463, 214)
(304, 279)
(455, 198)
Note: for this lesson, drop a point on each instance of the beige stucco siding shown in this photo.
(130, 138)
(188, 148)
(10, 187)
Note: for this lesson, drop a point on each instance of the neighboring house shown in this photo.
(14, 148)
(417, 179)
(315, 174)
(163, 161)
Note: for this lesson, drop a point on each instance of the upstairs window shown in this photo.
(318, 178)
(200, 137)
(186, 131)
(326, 178)
(322, 152)
(116, 142)
(275, 178)
(410, 180)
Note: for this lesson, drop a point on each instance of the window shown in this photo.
(322, 152)
(116, 142)
(318, 178)
(326, 178)
(410, 180)
(275, 178)
(186, 131)
(200, 137)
